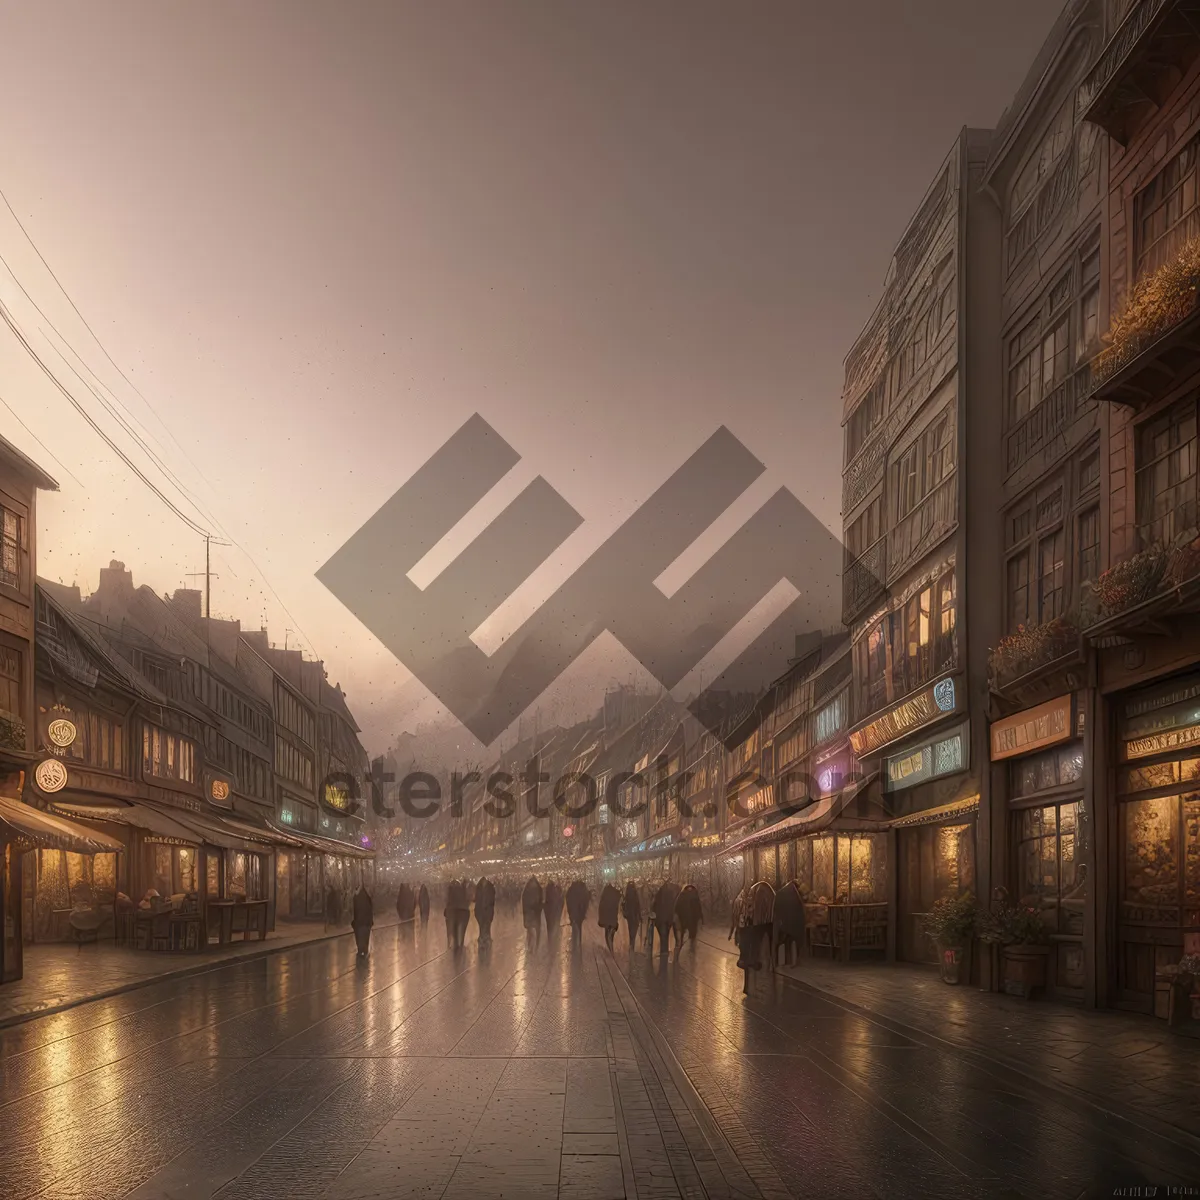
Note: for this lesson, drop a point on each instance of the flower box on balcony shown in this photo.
(1155, 304)
(1031, 647)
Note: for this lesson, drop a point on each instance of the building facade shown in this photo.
(917, 379)
(1142, 616)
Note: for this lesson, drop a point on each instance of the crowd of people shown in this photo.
(647, 909)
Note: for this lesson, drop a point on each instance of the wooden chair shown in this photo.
(160, 931)
(816, 927)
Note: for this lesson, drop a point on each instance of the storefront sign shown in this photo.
(945, 756)
(1034, 729)
(50, 776)
(928, 706)
(62, 733)
(1161, 721)
(705, 839)
(220, 791)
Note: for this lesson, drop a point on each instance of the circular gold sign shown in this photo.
(220, 789)
(50, 775)
(62, 732)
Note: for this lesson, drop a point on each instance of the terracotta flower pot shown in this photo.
(1025, 970)
(955, 963)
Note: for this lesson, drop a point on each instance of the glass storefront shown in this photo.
(936, 862)
(1158, 818)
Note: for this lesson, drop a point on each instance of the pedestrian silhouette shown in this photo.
(363, 919)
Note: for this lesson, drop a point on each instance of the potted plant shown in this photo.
(1020, 932)
(950, 925)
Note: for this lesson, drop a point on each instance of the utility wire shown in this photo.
(104, 350)
(166, 472)
(6, 316)
(16, 417)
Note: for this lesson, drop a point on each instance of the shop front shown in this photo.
(1040, 753)
(933, 801)
(30, 838)
(1156, 824)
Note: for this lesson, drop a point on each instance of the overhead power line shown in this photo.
(134, 388)
(104, 437)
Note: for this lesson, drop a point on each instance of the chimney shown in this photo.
(185, 604)
(116, 583)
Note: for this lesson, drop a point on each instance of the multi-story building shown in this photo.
(20, 481)
(1141, 616)
(1046, 175)
(920, 390)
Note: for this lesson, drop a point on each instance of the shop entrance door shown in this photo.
(1159, 899)
(937, 862)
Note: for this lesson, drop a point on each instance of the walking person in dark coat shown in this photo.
(333, 906)
(458, 913)
(485, 909)
(552, 906)
(363, 919)
(610, 913)
(632, 908)
(531, 909)
(579, 897)
(423, 903)
(405, 902)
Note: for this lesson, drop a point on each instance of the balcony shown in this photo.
(1144, 60)
(1033, 652)
(1140, 594)
(1154, 342)
(1043, 425)
(862, 581)
(924, 527)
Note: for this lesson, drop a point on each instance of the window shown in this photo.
(1056, 360)
(831, 719)
(1166, 475)
(167, 755)
(924, 465)
(1089, 472)
(866, 530)
(1023, 369)
(907, 474)
(1050, 576)
(1055, 143)
(1088, 545)
(922, 635)
(1018, 591)
(10, 547)
(947, 639)
(10, 681)
(1089, 306)
(1165, 212)
(1049, 878)
(1019, 526)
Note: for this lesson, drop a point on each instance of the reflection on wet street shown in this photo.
(526, 1071)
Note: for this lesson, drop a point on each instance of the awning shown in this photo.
(324, 845)
(258, 833)
(929, 816)
(157, 825)
(816, 818)
(32, 829)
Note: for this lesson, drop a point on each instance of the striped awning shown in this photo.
(32, 829)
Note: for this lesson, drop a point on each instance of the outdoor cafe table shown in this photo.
(238, 916)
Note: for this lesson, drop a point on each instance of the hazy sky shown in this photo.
(317, 237)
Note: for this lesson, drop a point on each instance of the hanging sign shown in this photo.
(50, 776)
(62, 733)
(1034, 729)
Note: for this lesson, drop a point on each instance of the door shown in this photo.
(1159, 897)
(10, 914)
(937, 862)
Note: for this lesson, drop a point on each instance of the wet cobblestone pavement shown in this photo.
(555, 1070)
